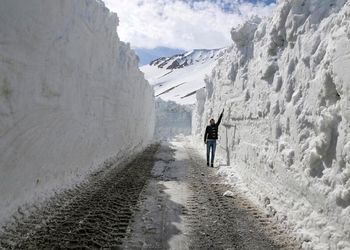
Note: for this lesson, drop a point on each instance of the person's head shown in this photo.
(212, 121)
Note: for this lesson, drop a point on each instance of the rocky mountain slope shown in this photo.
(179, 77)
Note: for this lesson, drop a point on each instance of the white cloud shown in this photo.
(178, 24)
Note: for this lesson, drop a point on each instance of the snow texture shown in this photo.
(285, 86)
(172, 119)
(71, 97)
(228, 193)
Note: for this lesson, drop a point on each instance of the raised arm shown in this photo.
(220, 117)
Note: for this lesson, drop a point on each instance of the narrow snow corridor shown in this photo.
(101, 151)
(165, 198)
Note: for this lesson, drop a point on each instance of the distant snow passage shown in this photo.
(172, 119)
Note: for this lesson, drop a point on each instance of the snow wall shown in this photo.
(285, 86)
(71, 96)
(172, 119)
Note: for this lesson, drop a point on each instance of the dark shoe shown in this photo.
(208, 164)
(212, 165)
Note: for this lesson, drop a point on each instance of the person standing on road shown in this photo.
(210, 137)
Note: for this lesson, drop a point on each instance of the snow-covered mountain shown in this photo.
(285, 86)
(179, 77)
(148, 55)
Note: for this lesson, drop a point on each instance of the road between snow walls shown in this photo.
(72, 98)
(285, 87)
(73, 102)
(164, 198)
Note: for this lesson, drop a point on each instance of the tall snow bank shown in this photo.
(285, 85)
(71, 96)
(172, 119)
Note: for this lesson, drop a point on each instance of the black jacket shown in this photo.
(211, 132)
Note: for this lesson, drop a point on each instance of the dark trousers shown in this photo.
(211, 144)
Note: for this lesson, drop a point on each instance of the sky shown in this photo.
(182, 24)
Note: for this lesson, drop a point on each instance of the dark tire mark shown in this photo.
(94, 215)
(219, 222)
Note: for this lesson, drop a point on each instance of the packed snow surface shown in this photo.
(71, 96)
(285, 86)
(179, 77)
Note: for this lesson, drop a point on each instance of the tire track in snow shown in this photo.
(99, 213)
(94, 215)
(219, 222)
